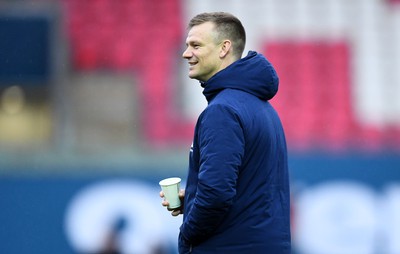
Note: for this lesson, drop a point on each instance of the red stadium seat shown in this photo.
(314, 95)
(136, 35)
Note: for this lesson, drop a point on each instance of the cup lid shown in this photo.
(170, 181)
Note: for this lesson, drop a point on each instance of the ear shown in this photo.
(225, 47)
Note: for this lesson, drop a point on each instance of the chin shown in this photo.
(192, 76)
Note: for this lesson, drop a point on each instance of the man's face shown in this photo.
(202, 52)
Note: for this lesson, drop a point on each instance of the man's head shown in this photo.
(214, 41)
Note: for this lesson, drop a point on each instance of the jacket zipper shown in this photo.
(190, 248)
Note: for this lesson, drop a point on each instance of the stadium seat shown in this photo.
(126, 35)
(314, 95)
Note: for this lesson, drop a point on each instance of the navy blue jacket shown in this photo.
(237, 196)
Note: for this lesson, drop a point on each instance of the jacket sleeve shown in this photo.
(221, 145)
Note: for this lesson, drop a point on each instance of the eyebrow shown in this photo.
(191, 42)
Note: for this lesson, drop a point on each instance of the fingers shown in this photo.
(182, 193)
(176, 212)
(165, 203)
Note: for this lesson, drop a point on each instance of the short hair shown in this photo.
(227, 26)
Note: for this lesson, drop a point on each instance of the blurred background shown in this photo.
(96, 108)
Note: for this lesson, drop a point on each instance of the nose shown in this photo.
(187, 54)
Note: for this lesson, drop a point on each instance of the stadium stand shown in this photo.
(142, 36)
(315, 98)
(139, 36)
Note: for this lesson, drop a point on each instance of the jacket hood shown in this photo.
(253, 74)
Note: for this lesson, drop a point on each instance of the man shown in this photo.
(236, 198)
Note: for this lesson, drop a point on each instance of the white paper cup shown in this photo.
(170, 187)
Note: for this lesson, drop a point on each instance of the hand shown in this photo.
(175, 211)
